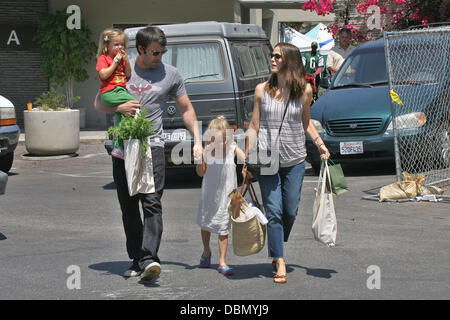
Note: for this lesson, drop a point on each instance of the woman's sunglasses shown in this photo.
(157, 53)
(276, 56)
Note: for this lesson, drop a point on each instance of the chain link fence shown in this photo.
(418, 63)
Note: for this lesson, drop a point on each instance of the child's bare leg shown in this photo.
(223, 245)
(206, 236)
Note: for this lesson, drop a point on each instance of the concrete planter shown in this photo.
(50, 133)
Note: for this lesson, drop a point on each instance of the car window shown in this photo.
(245, 60)
(196, 62)
(364, 67)
(417, 70)
(260, 59)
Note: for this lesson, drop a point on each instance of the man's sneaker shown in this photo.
(151, 271)
(134, 270)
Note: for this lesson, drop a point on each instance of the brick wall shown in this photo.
(21, 77)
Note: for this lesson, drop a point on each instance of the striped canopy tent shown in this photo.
(323, 37)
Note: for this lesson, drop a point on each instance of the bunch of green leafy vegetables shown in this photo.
(130, 127)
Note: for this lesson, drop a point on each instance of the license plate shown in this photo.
(355, 147)
(174, 135)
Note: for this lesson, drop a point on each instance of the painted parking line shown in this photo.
(100, 174)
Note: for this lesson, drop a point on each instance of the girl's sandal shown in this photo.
(225, 270)
(205, 262)
(279, 278)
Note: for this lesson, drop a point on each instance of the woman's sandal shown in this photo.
(225, 270)
(279, 278)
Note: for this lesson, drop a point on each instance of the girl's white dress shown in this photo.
(219, 180)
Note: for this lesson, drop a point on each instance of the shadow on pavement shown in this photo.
(362, 169)
(369, 169)
(118, 267)
(111, 267)
(315, 272)
(249, 271)
(182, 178)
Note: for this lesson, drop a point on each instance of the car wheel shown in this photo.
(441, 147)
(6, 162)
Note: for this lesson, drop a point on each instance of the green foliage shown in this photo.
(64, 52)
(134, 128)
(53, 100)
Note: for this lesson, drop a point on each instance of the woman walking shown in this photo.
(280, 119)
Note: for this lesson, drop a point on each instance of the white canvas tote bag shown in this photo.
(138, 168)
(324, 225)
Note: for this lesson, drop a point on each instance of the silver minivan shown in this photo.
(221, 64)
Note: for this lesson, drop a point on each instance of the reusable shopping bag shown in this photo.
(248, 236)
(138, 167)
(324, 224)
(338, 182)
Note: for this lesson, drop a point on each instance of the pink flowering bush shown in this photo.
(398, 14)
(357, 35)
(321, 7)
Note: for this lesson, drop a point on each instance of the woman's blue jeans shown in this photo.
(281, 197)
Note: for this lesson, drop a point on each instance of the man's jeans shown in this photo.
(281, 196)
(143, 240)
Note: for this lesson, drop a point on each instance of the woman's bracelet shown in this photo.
(322, 144)
(315, 139)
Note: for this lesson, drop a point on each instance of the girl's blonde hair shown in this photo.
(108, 35)
(219, 124)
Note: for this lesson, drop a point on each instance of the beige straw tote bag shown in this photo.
(248, 236)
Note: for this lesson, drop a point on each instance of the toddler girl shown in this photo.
(219, 179)
(113, 69)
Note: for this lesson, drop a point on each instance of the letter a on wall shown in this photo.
(13, 37)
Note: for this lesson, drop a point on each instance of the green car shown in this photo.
(354, 116)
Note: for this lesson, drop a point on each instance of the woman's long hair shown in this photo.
(291, 69)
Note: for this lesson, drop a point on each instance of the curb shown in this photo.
(85, 137)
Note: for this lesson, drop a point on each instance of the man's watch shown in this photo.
(116, 60)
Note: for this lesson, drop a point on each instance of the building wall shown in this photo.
(22, 79)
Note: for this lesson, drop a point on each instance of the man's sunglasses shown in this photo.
(276, 56)
(157, 53)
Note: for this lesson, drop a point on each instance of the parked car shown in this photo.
(9, 134)
(221, 64)
(354, 115)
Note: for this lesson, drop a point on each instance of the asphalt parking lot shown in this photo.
(61, 237)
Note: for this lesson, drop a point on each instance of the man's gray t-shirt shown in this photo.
(152, 88)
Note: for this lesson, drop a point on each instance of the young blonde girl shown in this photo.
(218, 170)
(113, 67)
